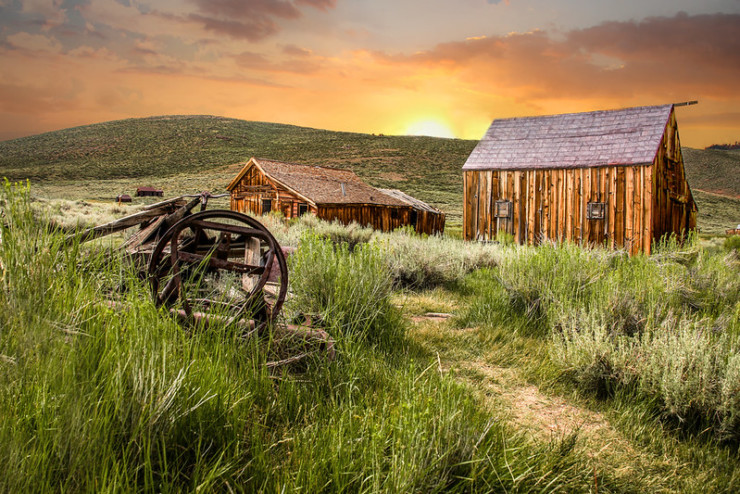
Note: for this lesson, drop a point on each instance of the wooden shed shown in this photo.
(149, 191)
(612, 178)
(331, 194)
(424, 218)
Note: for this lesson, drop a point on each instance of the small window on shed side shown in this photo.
(394, 213)
(302, 209)
(266, 205)
(503, 209)
(596, 210)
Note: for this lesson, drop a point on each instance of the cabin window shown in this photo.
(302, 209)
(503, 209)
(266, 205)
(596, 210)
(413, 217)
(394, 214)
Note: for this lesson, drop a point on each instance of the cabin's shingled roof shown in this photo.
(630, 136)
(411, 201)
(321, 185)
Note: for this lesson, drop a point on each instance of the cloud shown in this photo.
(241, 9)
(702, 40)
(252, 30)
(296, 51)
(252, 20)
(324, 5)
(660, 57)
(34, 42)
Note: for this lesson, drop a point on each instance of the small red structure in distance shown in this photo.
(148, 191)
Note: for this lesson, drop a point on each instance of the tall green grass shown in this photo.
(665, 327)
(97, 399)
(414, 261)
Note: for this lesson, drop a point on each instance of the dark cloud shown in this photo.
(702, 40)
(664, 58)
(252, 20)
(252, 30)
(248, 9)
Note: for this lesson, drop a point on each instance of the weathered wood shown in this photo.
(119, 224)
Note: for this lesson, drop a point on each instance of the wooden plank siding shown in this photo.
(254, 187)
(673, 205)
(551, 204)
(643, 202)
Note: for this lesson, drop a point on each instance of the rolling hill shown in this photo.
(184, 154)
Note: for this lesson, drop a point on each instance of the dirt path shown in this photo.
(548, 418)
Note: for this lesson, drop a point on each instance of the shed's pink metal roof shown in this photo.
(630, 136)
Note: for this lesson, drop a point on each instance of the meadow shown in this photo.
(550, 369)
(460, 367)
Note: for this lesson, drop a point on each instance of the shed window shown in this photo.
(394, 214)
(596, 210)
(503, 209)
(413, 218)
(302, 209)
(266, 205)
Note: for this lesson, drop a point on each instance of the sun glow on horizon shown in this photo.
(431, 128)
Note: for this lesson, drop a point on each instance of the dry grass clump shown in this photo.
(414, 261)
(427, 261)
(70, 215)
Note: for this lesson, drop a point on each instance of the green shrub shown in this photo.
(732, 243)
(349, 290)
(665, 327)
(419, 262)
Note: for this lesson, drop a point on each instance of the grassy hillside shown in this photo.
(713, 170)
(184, 154)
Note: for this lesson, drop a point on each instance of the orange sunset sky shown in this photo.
(438, 67)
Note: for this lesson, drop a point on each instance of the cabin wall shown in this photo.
(254, 187)
(383, 218)
(552, 204)
(673, 203)
(429, 222)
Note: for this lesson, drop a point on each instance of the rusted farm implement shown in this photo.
(180, 252)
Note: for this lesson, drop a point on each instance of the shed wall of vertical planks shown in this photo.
(642, 202)
(254, 188)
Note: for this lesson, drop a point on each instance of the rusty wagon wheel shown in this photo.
(213, 242)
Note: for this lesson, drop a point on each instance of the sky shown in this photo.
(436, 67)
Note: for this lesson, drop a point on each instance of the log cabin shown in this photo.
(613, 178)
(332, 194)
(149, 191)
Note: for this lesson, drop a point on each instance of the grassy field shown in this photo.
(186, 154)
(460, 368)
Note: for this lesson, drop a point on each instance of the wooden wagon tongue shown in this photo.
(174, 245)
